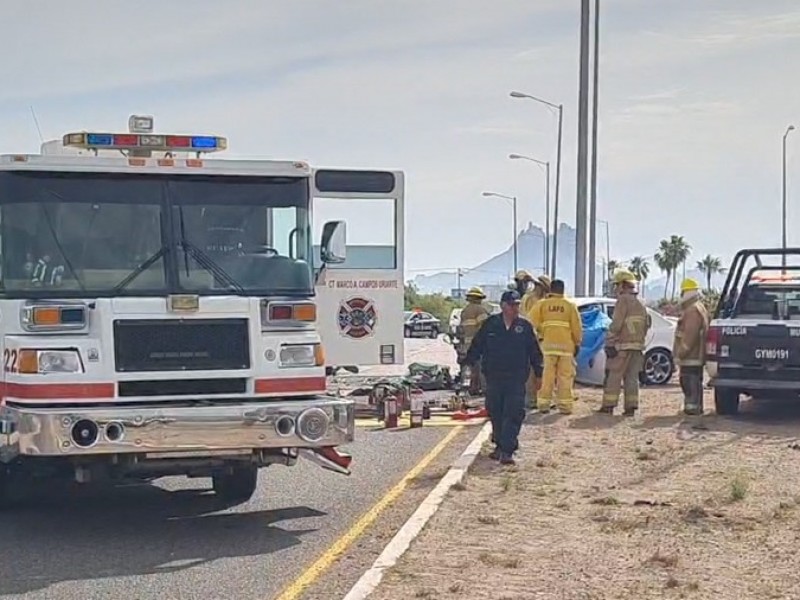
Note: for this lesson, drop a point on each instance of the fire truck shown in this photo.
(158, 311)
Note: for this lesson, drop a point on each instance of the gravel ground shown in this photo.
(659, 506)
(174, 541)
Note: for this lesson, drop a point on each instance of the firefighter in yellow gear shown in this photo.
(624, 346)
(559, 327)
(524, 285)
(689, 346)
(472, 317)
(537, 292)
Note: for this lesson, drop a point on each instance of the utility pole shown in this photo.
(593, 201)
(581, 207)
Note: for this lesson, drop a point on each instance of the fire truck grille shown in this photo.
(181, 345)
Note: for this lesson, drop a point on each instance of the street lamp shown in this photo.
(789, 129)
(560, 109)
(546, 166)
(513, 200)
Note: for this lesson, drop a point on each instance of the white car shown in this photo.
(658, 363)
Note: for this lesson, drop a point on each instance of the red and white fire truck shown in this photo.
(158, 310)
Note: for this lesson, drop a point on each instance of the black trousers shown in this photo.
(505, 403)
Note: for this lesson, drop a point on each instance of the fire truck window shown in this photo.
(371, 231)
(79, 245)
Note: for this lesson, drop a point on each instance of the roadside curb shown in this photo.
(399, 544)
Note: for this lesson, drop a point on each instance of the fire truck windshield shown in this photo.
(104, 234)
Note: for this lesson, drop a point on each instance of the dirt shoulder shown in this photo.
(659, 506)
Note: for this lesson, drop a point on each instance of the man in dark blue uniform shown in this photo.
(508, 349)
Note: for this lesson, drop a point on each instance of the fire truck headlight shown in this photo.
(301, 355)
(50, 361)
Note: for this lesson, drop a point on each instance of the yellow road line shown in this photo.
(340, 546)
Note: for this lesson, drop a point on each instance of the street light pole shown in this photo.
(513, 200)
(546, 166)
(789, 129)
(560, 109)
(516, 254)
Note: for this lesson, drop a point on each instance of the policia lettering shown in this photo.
(625, 342)
(558, 325)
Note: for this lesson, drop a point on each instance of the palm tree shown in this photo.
(710, 266)
(681, 250)
(664, 261)
(641, 268)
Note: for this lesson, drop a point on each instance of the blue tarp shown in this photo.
(595, 324)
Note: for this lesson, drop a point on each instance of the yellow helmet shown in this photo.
(624, 276)
(689, 285)
(523, 275)
(475, 292)
(544, 280)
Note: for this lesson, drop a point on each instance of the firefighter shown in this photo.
(689, 346)
(541, 287)
(523, 282)
(526, 286)
(507, 347)
(472, 317)
(624, 346)
(558, 324)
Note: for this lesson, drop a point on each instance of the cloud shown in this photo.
(692, 99)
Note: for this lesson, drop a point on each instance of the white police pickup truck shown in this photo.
(753, 342)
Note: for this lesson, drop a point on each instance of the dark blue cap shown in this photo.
(510, 297)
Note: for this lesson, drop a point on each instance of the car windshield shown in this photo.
(106, 234)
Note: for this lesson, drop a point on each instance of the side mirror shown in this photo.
(333, 246)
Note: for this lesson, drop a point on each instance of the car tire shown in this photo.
(434, 333)
(407, 332)
(658, 367)
(726, 401)
(236, 486)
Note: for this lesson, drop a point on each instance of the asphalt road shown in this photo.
(172, 540)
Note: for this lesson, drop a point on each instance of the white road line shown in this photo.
(370, 580)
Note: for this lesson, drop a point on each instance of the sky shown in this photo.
(694, 99)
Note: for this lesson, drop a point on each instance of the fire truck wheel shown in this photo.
(5, 496)
(238, 485)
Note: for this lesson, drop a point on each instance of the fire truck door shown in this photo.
(360, 301)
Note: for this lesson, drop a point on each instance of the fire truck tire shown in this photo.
(726, 401)
(5, 496)
(239, 485)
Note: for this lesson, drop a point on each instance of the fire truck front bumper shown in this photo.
(315, 423)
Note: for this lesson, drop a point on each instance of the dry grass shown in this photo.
(654, 507)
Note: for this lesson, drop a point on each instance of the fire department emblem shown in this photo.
(357, 317)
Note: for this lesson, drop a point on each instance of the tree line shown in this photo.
(671, 258)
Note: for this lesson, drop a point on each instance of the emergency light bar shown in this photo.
(146, 141)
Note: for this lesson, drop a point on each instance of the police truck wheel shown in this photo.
(238, 485)
(726, 402)
(407, 332)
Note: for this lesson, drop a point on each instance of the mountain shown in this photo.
(497, 271)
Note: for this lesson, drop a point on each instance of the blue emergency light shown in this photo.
(148, 141)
